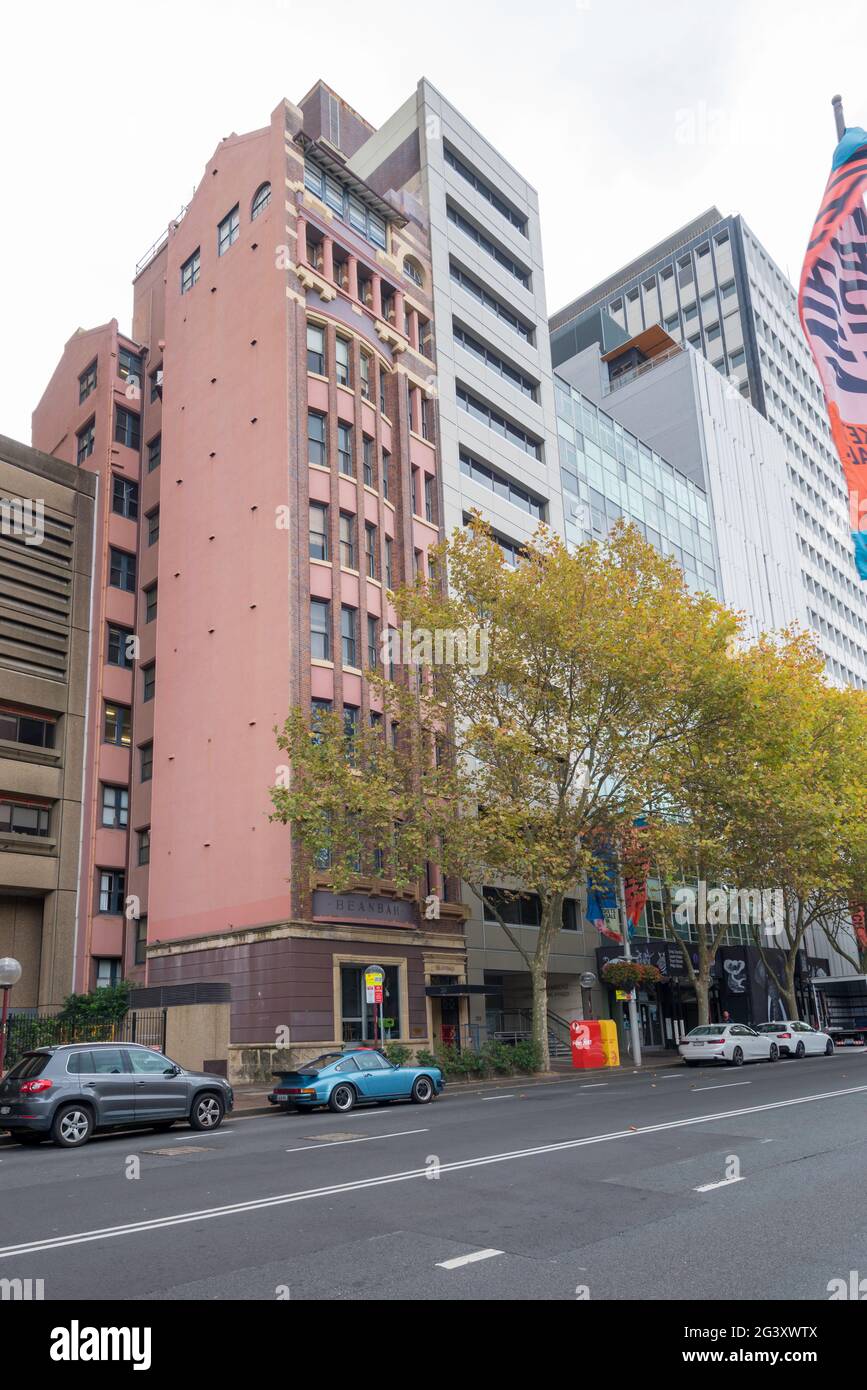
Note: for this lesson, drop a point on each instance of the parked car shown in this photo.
(357, 1075)
(733, 1043)
(71, 1090)
(796, 1039)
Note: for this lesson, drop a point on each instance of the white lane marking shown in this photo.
(723, 1086)
(460, 1260)
(592, 1085)
(510, 1095)
(362, 1184)
(712, 1186)
(336, 1143)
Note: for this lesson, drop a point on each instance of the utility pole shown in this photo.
(837, 104)
(627, 955)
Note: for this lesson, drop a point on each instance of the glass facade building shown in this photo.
(608, 473)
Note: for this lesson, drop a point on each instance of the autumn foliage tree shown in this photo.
(522, 769)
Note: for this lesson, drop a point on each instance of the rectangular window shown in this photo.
(370, 549)
(115, 807)
(320, 629)
(372, 642)
(344, 449)
(144, 845)
(154, 452)
(426, 418)
(190, 271)
(318, 531)
(317, 450)
(484, 189)
(124, 497)
(341, 361)
(316, 349)
(413, 488)
(149, 681)
(349, 635)
(389, 566)
(386, 467)
(84, 447)
(156, 381)
(479, 410)
(382, 376)
(153, 526)
(121, 570)
(364, 369)
(141, 940)
(112, 891)
(347, 541)
(357, 1016)
(367, 454)
(118, 647)
(26, 728)
(86, 382)
(228, 231)
(150, 594)
(146, 761)
(129, 366)
(429, 512)
(116, 725)
(494, 250)
(127, 428)
(23, 818)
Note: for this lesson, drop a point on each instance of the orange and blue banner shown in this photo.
(832, 302)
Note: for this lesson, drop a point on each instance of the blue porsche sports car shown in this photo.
(355, 1076)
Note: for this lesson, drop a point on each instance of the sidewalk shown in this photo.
(251, 1099)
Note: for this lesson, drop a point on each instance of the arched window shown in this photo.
(261, 200)
(413, 270)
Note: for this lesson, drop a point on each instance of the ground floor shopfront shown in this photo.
(298, 989)
(742, 985)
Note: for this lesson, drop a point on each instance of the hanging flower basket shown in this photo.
(630, 974)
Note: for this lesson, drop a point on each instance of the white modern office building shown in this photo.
(713, 288)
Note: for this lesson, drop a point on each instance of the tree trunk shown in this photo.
(539, 977)
(702, 992)
(789, 994)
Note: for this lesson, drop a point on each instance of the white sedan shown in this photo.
(733, 1043)
(796, 1039)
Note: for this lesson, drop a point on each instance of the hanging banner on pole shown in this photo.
(832, 303)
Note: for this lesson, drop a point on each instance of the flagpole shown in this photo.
(627, 955)
(837, 104)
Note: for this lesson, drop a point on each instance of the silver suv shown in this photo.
(71, 1090)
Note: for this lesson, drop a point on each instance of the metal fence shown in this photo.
(42, 1027)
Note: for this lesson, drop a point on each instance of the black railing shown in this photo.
(42, 1027)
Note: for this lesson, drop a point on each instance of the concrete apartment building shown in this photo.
(47, 532)
(713, 287)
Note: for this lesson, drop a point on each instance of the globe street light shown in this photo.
(10, 974)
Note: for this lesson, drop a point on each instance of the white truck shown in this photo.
(842, 1007)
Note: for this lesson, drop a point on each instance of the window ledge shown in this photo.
(29, 753)
(11, 841)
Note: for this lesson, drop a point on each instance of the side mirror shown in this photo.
(172, 1071)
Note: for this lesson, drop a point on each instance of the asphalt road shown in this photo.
(685, 1183)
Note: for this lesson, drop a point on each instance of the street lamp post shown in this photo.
(10, 974)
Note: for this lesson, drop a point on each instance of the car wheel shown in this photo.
(31, 1138)
(774, 1054)
(207, 1112)
(800, 1050)
(163, 1126)
(342, 1099)
(738, 1057)
(422, 1090)
(829, 1048)
(72, 1126)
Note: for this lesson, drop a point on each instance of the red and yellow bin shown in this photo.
(594, 1043)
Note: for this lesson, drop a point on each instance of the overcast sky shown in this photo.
(629, 117)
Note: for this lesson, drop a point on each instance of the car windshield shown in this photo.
(715, 1029)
